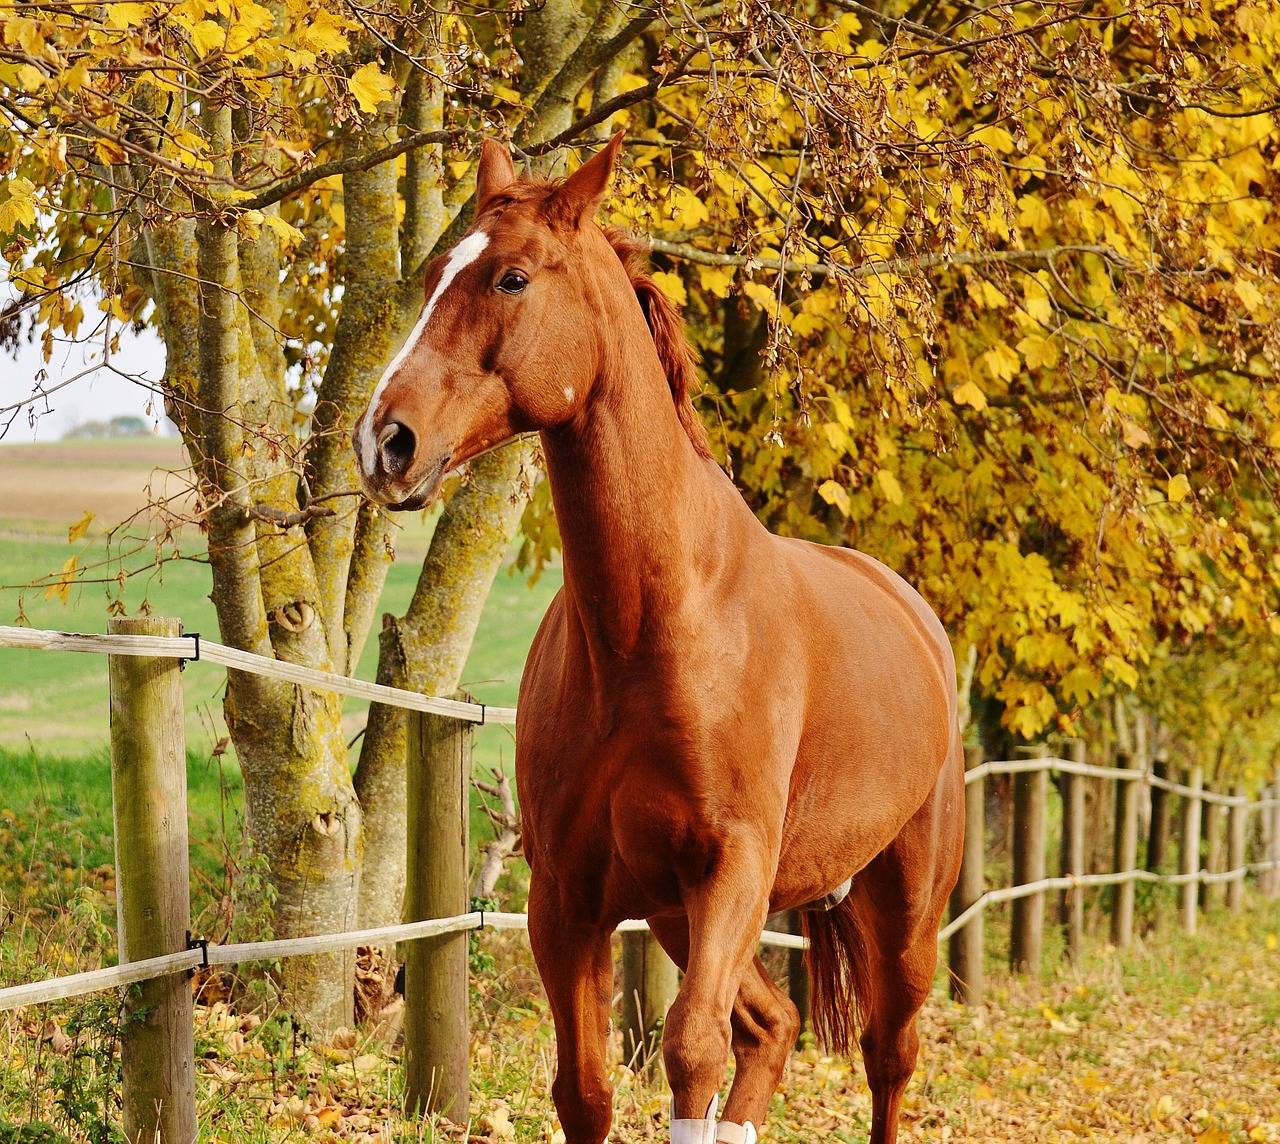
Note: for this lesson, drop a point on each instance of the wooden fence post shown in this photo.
(153, 880)
(968, 979)
(1161, 809)
(1273, 845)
(1126, 853)
(1237, 827)
(649, 983)
(1213, 893)
(436, 1025)
(1029, 798)
(1190, 858)
(1073, 861)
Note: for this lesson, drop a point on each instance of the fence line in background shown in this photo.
(157, 1069)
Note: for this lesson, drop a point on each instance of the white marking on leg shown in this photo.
(460, 257)
(696, 1131)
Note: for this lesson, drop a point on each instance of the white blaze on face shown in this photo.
(461, 256)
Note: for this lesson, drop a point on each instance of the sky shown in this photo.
(97, 397)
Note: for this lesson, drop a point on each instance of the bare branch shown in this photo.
(750, 262)
(366, 161)
(506, 820)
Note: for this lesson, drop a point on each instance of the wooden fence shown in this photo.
(1217, 823)
(157, 953)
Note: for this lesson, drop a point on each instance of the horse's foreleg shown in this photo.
(577, 970)
(726, 914)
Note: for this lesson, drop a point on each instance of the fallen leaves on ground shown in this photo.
(1175, 1040)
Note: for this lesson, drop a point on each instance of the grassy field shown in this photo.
(57, 704)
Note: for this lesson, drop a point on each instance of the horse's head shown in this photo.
(511, 335)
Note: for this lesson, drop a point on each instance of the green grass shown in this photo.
(57, 703)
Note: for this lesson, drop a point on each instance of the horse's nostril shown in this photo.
(396, 444)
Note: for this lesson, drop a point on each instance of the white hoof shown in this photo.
(701, 1131)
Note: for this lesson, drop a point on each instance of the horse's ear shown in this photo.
(497, 172)
(580, 194)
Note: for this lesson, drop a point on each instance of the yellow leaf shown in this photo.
(1272, 942)
(19, 209)
(206, 36)
(125, 14)
(1091, 1082)
(997, 138)
(371, 87)
(325, 34)
(691, 209)
(1001, 362)
(81, 526)
(761, 295)
(109, 151)
(30, 78)
(1036, 301)
(1037, 350)
(1216, 418)
(969, 394)
(1033, 214)
(718, 280)
(1178, 489)
(1135, 436)
(250, 22)
(1249, 294)
(1213, 1136)
(1163, 1108)
(1120, 671)
(889, 486)
(287, 233)
(505, 93)
(60, 589)
(835, 493)
(805, 324)
(672, 285)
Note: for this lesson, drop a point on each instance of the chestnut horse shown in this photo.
(714, 722)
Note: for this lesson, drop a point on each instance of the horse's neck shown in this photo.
(636, 505)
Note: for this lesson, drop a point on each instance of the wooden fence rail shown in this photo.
(149, 791)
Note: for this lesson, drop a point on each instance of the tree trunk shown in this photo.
(302, 816)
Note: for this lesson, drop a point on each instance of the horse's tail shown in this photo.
(837, 963)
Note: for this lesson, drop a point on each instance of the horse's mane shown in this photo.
(666, 324)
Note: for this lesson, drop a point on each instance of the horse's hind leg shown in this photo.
(898, 901)
(764, 1023)
(765, 1026)
(895, 982)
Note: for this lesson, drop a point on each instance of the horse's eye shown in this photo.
(513, 282)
